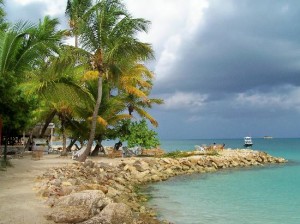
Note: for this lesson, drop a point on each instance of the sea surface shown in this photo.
(257, 195)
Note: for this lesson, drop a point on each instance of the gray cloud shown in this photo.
(245, 58)
(251, 45)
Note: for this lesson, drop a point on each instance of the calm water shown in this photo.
(268, 195)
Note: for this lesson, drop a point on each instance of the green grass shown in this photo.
(176, 154)
(181, 154)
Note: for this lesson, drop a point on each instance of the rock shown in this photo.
(141, 166)
(92, 201)
(166, 160)
(112, 192)
(114, 213)
(55, 182)
(68, 214)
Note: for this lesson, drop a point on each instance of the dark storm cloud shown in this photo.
(245, 60)
(243, 45)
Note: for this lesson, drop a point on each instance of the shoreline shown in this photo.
(108, 190)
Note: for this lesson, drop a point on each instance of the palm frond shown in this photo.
(146, 115)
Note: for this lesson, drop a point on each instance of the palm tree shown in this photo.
(57, 83)
(23, 47)
(75, 11)
(108, 33)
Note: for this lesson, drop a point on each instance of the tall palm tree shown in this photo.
(75, 11)
(108, 33)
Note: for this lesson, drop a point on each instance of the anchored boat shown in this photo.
(248, 141)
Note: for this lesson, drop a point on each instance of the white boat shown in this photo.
(248, 141)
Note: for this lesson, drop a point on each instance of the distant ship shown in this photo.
(248, 141)
(268, 137)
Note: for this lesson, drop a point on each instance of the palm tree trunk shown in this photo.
(1, 124)
(84, 155)
(64, 139)
(47, 122)
(76, 41)
(73, 141)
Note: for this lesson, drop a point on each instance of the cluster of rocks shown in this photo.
(105, 193)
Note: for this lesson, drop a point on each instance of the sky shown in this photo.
(225, 69)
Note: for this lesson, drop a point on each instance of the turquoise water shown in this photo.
(262, 195)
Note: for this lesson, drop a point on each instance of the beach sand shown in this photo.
(18, 201)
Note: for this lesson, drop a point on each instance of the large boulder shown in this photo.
(78, 206)
(68, 214)
(114, 213)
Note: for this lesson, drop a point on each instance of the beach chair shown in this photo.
(153, 152)
(199, 148)
(76, 154)
(134, 151)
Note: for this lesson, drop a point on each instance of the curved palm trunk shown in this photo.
(64, 138)
(1, 124)
(84, 155)
(47, 122)
(73, 141)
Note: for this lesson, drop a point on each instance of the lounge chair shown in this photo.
(199, 148)
(153, 152)
(76, 154)
(134, 151)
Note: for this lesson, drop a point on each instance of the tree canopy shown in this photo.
(89, 88)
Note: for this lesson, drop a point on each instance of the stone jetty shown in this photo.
(106, 193)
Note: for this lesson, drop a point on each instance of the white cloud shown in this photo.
(52, 8)
(173, 23)
(192, 102)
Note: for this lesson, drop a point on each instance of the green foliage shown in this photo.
(23, 47)
(181, 154)
(177, 154)
(140, 135)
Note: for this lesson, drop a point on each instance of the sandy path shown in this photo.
(18, 201)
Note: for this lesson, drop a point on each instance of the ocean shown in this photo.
(256, 195)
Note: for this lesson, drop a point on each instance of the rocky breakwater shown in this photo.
(105, 193)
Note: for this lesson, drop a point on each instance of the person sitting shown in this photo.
(117, 145)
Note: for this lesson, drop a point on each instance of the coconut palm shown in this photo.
(57, 82)
(108, 33)
(75, 11)
(23, 47)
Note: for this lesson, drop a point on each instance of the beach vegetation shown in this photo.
(187, 153)
(137, 133)
(177, 154)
